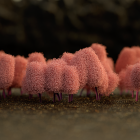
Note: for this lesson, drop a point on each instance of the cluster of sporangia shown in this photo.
(88, 68)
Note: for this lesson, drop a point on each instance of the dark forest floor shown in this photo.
(111, 118)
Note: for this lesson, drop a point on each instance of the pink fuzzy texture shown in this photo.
(36, 56)
(138, 60)
(67, 57)
(137, 50)
(113, 81)
(122, 79)
(102, 89)
(7, 68)
(70, 80)
(127, 80)
(135, 76)
(34, 80)
(53, 75)
(106, 66)
(110, 62)
(48, 61)
(94, 68)
(20, 70)
(126, 57)
(2, 52)
(100, 51)
(79, 62)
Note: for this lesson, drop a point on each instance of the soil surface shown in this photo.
(111, 118)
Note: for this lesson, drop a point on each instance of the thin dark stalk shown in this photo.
(96, 93)
(69, 98)
(40, 98)
(137, 95)
(58, 96)
(9, 92)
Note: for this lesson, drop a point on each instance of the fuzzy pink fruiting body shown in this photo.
(2, 52)
(7, 68)
(100, 51)
(67, 57)
(135, 76)
(127, 79)
(138, 60)
(53, 75)
(36, 56)
(113, 81)
(79, 62)
(95, 70)
(70, 80)
(137, 50)
(106, 66)
(126, 57)
(110, 62)
(102, 88)
(20, 70)
(122, 79)
(34, 80)
(48, 61)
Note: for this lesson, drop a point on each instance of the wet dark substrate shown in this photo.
(114, 117)
(114, 103)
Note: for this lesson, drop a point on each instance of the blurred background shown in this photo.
(55, 26)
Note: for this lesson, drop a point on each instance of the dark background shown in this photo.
(55, 26)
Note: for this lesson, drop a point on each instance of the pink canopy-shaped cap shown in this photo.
(48, 61)
(20, 69)
(100, 51)
(113, 81)
(137, 50)
(53, 75)
(110, 62)
(34, 80)
(67, 57)
(138, 60)
(79, 62)
(94, 67)
(127, 79)
(70, 80)
(2, 52)
(36, 56)
(135, 76)
(107, 66)
(126, 57)
(122, 79)
(7, 68)
(102, 89)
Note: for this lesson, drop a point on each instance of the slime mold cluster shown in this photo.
(88, 69)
